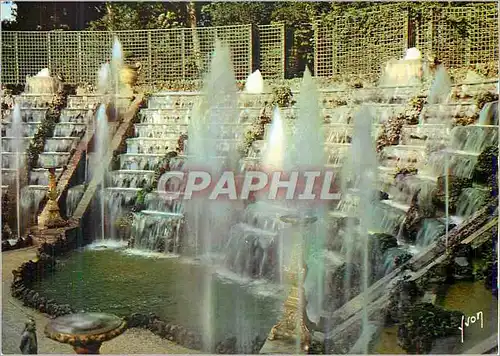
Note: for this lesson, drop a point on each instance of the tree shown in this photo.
(119, 16)
(300, 20)
(44, 16)
(238, 13)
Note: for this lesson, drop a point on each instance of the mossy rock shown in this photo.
(381, 242)
(391, 132)
(406, 171)
(414, 218)
(402, 259)
(337, 283)
(455, 187)
(380, 195)
(378, 245)
(486, 168)
(423, 324)
(403, 295)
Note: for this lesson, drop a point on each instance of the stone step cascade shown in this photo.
(167, 116)
(431, 146)
(58, 149)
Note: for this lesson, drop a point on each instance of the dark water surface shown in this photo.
(114, 282)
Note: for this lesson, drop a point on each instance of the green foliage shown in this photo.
(424, 323)
(46, 16)
(254, 134)
(402, 259)
(282, 96)
(8, 211)
(162, 167)
(238, 13)
(141, 15)
(486, 169)
(485, 97)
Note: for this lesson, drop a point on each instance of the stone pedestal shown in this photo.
(85, 331)
(51, 217)
(291, 330)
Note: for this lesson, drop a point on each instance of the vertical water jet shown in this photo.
(208, 221)
(359, 178)
(309, 155)
(101, 139)
(17, 133)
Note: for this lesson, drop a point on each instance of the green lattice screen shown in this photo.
(272, 50)
(460, 36)
(169, 54)
(360, 42)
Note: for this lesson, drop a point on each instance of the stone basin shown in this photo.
(84, 324)
(85, 331)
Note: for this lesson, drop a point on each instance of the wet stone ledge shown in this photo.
(21, 242)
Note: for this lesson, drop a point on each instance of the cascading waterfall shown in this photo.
(73, 198)
(255, 246)
(440, 93)
(489, 114)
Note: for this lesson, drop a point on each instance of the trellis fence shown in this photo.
(360, 43)
(357, 43)
(165, 55)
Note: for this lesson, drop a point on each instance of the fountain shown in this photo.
(50, 217)
(85, 331)
(359, 178)
(101, 139)
(208, 221)
(18, 148)
(292, 326)
(254, 83)
(42, 83)
(406, 71)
